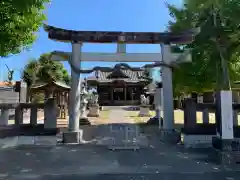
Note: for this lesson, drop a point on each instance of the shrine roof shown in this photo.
(43, 85)
(131, 76)
(118, 73)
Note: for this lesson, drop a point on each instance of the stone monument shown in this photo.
(158, 107)
(144, 106)
(10, 75)
(93, 106)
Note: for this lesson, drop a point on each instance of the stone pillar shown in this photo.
(4, 117)
(224, 143)
(33, 115)
(121, 47)
(132, 96)
(50, 113)
(112, 93)
(18, 115)
(125, 93)
(74, 96)
(23, 93)
(190, 117)
(74, 134)
(224, 114)
(168, 110)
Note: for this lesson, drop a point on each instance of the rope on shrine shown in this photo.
(173, 65)
(127, 66)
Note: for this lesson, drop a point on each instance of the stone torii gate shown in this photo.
(166, 59)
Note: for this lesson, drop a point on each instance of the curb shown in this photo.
(10, 142)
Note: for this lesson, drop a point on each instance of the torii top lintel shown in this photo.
(63, 35)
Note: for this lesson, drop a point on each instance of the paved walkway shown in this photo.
(160, 161)
(119, 116)
(118, 122)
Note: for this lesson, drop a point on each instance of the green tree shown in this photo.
(18, 23)
(44, 70)
(147, 75)
(205, 72)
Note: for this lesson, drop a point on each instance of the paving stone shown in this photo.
(25, 140)
(8, 142)
(45, 140)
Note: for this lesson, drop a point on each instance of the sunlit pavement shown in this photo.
(155, 161)
(91, 162)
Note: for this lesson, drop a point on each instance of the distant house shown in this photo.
(12, 92)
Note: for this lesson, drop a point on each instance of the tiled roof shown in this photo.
(57, 83)
(125, 75)
(131, 75)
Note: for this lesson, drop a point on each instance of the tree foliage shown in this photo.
(19, 20)
(205, 70)
(147, 75)
(44, 70)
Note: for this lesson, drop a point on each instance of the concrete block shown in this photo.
(8, 142)
(93, 111)
(25, 140)
(46, 140)
(72, 137)
(197, 140)
(170, 136)
(144, 111)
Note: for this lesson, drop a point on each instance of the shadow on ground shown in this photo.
(154, 159)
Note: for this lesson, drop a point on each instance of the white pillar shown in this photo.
(74, 96)
(168, 110)
(224, 113)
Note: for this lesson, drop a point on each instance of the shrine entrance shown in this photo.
(166, 59)
(119, 94)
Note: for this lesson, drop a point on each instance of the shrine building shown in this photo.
(120, 86)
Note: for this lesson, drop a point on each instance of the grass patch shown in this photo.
(178, 117)
(102, 119)
(137, 119)
(104, 114)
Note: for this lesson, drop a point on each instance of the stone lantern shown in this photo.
(84, 101)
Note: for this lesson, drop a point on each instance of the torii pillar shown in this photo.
(167, 88)
(74, 134)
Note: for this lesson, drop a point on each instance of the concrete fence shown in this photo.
(50, 117)
(202, 133)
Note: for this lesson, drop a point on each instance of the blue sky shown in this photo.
(102, 15)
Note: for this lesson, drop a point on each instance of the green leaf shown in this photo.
(44, 70)
(205, 70)
(19, 22)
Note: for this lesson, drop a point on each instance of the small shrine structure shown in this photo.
(57, 89)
